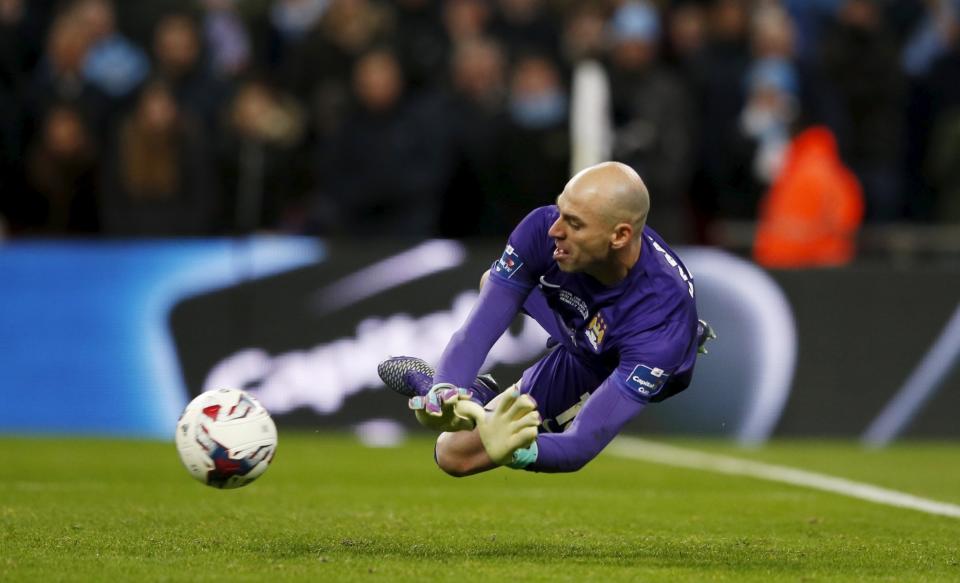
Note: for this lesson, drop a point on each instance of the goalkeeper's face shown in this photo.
(581, 234)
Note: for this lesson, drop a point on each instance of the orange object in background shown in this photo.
(811, 214)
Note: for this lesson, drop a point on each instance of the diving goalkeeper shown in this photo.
(620, 310)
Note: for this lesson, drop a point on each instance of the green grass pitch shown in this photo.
(330, 509)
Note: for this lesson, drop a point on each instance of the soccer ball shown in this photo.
(225, 438)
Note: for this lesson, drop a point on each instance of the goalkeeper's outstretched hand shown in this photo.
(512, 425)
(437, 409)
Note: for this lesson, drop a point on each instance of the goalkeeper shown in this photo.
(621, 313)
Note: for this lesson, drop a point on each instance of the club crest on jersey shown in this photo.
(595, 331)
(509, 263)
(647, 380)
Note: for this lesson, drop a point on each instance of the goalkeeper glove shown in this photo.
(512, 424)
(437, 410)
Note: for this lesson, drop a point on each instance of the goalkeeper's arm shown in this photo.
(495, 309)
(603, 416)
(505, 441)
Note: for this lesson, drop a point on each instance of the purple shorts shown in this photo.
(560, 383)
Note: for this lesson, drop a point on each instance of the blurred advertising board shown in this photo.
(116, 337)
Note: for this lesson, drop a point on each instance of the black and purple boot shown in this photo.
(413, 377)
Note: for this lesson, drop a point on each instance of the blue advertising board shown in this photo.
(84, 343)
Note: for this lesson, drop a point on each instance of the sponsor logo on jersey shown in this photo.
(647, 380)
(595, 331)
(545, 283)
(509, 263)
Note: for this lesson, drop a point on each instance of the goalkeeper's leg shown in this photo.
(461, 454)
(413, 377)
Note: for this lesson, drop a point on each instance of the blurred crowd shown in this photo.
(453, 117)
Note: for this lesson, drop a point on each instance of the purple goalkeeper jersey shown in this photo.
(622, 346)
(644, 327)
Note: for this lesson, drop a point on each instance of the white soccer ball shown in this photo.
(225, 438)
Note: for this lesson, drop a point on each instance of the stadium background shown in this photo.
(275, 194)
(302, 187)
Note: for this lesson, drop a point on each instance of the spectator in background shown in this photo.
(767, 119)
(318, 70)
(687, 38)
(22, 26)
(889, 88)
(466, 20)
(583, 33)
(931, 38)
(383, 172)
(772, 33)
(61, 177)
(353, 26)
(773, 101)
(113, 64)
(421, 43)
(177, 51)
(723, 175)
(811, 215)
(478, 75)
(652, 113)
(264, 167)
(227, 38)
(687, 51)
(291, 25)
(527, 26)
(477, 104)
(861, 64)
(773, 36)
(294, 19)
(811, 19)
(534, 153)
(59, 77)
(158, 177)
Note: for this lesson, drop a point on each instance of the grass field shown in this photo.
(331, 510)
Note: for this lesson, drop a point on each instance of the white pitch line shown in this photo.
(641, 449)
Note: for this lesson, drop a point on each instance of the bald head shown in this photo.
(615, 191)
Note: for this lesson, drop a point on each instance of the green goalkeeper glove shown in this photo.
(512, 424)
(437, 410)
